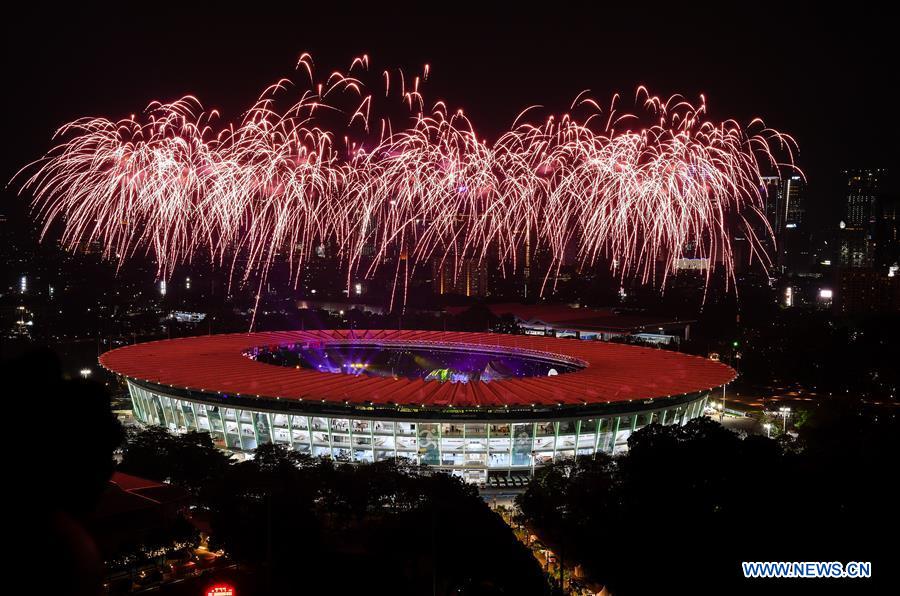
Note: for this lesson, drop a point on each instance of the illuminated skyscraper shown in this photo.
(860, 223)
(786, 213)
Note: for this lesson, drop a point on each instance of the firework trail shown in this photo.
(635, 190)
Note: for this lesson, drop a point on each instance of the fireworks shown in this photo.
(635, 191)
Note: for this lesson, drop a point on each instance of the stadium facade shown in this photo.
(482, 406)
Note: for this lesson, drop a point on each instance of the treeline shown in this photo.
(686, 504)
(308, 524)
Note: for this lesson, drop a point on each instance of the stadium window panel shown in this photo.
(362, 455)
(406, 428)
(263, 432)
(499, 430)
(189, 418)
(476, 430)
(499, 445)
(543, 458)
(233, 441)
(523, 444)
(384, 442)
(567, 427)
(340, 425)
(452, 445)
(498, 460)
(546, 429)
(406, 443)
(451, 430)
(478, 445)
(386, 427)
(475, 459)
(429, 447)
(544, 443)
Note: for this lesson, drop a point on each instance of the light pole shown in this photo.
(768, 428)
(785, 412)
(85, 373)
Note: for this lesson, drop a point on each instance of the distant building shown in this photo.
(869, 290)
(861, 217)
(560, 320)
(786, 214)
(469, 279)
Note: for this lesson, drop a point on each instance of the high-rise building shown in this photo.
(470, 279)
(858, 228)
(786, 214)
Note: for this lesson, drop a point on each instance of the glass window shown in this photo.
(499, 430)
(523, 437)
(406, 428)
(499, 445)
(544, 443)
(383, 427)
(546, 429)
(498, 460)
(428, 444)
(386, 442)
(567, 427)
(476, 430)
(362, 455)
(451, 430)
(340, 425)
(381, 455)
(264, 434)
(452, 445)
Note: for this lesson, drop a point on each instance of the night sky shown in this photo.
(823, 78)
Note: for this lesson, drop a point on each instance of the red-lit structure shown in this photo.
(217, 384)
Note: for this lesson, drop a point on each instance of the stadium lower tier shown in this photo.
(476, 450)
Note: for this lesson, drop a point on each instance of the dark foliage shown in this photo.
(681, 510)
(307, 524)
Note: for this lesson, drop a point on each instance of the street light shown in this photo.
(785, 412)
(85, 373)
(768, 428)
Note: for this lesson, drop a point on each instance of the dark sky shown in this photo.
(825, 78)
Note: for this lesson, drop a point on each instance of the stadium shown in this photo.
(487, 407)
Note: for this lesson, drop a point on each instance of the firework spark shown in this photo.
(636, 191)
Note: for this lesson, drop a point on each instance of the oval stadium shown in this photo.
(487, 407)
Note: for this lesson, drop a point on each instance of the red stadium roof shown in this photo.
(614, 372)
